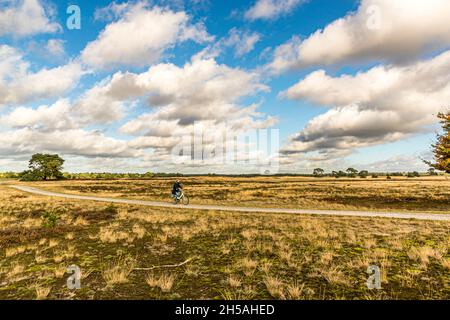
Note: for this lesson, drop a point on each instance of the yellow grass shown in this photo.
(164, 282)
(238, 255)
(118, 271)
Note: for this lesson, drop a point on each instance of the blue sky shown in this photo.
(346, 83)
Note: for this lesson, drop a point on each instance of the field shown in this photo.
(134, 252)
(430, 194)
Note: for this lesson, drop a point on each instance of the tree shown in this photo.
(338, 174)
(364, 174)
(352, 172)
(441, 149)
(318, 172)
(414, 174)
(44, 167)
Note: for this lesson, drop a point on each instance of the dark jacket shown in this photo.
(176, 186)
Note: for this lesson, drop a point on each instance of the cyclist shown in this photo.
(176, 188)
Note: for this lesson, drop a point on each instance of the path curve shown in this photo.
(370, 214)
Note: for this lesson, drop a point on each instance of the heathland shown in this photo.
(130, 251)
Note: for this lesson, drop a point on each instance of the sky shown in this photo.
(209, 86)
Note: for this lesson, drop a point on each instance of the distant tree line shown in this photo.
(106, 176)
(27, 176)
(353, 173)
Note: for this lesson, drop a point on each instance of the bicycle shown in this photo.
(181, 197)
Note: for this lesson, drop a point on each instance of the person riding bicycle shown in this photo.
(176, 189)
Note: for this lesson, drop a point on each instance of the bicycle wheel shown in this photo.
(185, 200)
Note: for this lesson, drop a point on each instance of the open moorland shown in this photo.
(136, 252)
(427, 194)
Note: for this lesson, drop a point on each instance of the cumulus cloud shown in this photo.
(202, 94)
(201, 90)
(381, 30)
(19, 85)
(103, 104)
(22, 18)
(270, 9)
(56, 116)
(141, 36)
(383, 104)
(68, 142)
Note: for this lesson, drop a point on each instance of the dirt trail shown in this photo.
(370, 214)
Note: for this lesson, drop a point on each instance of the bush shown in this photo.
(364, 174)
(111, 209)
(414, 174)
(50, 219)
(30, 175)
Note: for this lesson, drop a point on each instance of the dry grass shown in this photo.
(248, 266)
(118, 271)
(234, 281)
(334, 275)
(446, 263)
(16, 269)
(240, 255)
(423, 254)
(139, 231)
(400, 193)
(295, 291)
(275, 287)
(9, 252)
(42, 292)
(164, 281)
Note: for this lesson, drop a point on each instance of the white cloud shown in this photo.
(55, 47)
(201, 90)
(47, 118)
(111, 11)
(379, 30)
(67, 142)
(383, 104)
(270, 9)
(141, 36)
(399, 163)
(19, 85)
(101, 104)
(22, 18)
(243, 42)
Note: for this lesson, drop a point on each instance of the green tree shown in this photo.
(44, 167)
(318, 172)
(352, 172)
(364, 174)
(441, 149)
(414, 174)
